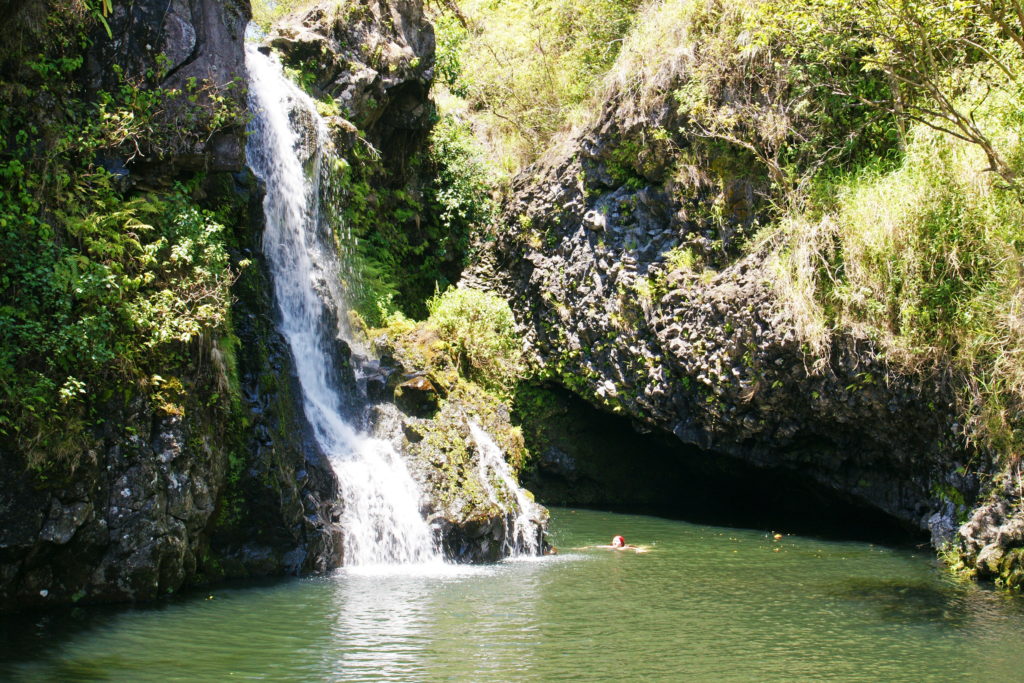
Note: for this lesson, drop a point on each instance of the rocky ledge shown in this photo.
(622, 254)
(374, 61)
(462, 448)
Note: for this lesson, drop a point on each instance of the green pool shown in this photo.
(706, 604)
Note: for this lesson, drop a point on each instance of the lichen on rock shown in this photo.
(990, 545)
(473, 497)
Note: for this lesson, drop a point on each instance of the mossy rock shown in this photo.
(1011, 569)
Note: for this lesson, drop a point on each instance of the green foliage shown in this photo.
(451, 40)
(415, 239)
(478, 331)
(621, 164)
(101, 9)
(919, 253)
(99, 290)
(266, 12)
(461, 191)
(925, 260)
(759, 88)
(922, 61)
(526, 69)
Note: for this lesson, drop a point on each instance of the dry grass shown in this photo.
(801, 265)
(668, 40)
(926, 261)
(527, 69)
(653, 55)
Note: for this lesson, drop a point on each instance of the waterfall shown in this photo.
(289, 149)
(523, 533)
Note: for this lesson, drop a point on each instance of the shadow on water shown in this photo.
(589, 459)
(908, 603)
(34, 636)
(950, 604)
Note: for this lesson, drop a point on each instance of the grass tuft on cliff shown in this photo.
(925, 260)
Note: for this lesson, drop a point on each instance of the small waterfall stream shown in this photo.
(288, 149)
(523, 536)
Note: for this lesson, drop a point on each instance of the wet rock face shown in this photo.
(279, 510)
(417, 397)
(167, 500)
(180, 44)
(211, 487)
(376, 59)
(479, 540)
(590, 259)
(473, 509)
(129, 526)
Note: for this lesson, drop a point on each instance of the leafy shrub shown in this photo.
(99, 289)
(462, 185)
(415, 239)
(526, 69)
(478, 330)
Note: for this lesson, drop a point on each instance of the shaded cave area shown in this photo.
(584, 457)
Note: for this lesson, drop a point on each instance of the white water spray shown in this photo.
(523, 535)
(288, 148)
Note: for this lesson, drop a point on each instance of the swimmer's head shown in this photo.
(618, 542)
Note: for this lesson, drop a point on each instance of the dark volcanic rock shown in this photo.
(279, 511)
(631, 291)
(187, 45)
(224, 480)
(991, 542)
(375, 58)
(129, 525)
(417, 397)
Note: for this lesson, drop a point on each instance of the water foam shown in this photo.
(289, 149)
(523, 532)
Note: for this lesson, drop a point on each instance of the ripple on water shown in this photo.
(706, 604)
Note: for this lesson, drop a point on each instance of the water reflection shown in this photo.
(706, 604)
(378, 626)
(429, 622)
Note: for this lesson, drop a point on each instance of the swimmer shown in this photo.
(618, 543)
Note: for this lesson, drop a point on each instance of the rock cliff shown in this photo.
(374, 61)
(212, 474)
(625, 254)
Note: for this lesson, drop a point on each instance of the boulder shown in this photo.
(417, 397)
(375, 60)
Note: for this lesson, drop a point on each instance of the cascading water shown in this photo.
(523, 536)
(288, 149)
